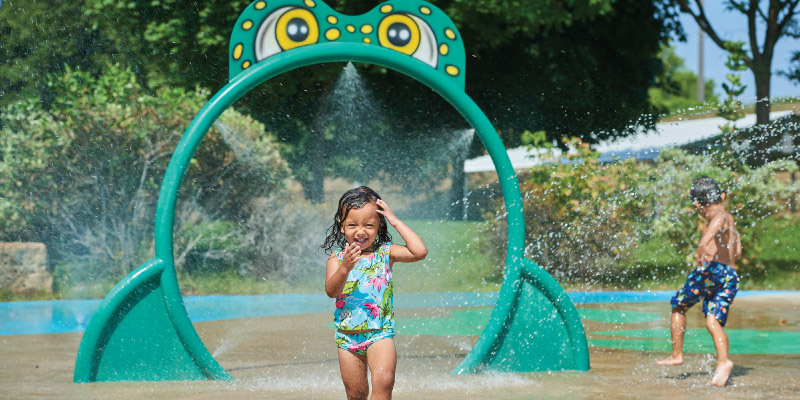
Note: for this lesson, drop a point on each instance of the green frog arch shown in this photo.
(142, 332)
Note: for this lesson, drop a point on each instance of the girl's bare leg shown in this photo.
(382, 359)
(677, 330)
(353, 368)
(724, 364)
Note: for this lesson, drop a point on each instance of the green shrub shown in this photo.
(753, 195)
(585, 220)
(282, 238)
(581, 216)
(82, 173)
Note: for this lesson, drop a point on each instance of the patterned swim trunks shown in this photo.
(716, 283)
(359, 342)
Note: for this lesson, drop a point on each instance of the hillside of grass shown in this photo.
(454, 264)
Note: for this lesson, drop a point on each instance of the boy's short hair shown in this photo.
(705, 191)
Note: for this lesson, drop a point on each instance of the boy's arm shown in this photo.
(415, 248)
(706, 250)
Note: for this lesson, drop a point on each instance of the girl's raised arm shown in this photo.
(415, 248)
(336, 270)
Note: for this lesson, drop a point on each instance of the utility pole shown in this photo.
(701, 84)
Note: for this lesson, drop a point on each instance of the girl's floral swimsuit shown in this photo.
(717, 284)
(365, 302)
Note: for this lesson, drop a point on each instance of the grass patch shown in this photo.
(659, 266)
(453, 263)
(710, 110)
(780, 257)
(230, 282)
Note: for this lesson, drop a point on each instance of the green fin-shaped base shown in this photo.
(534, 327)
(139, 334)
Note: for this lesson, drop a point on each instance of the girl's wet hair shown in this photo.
(353, 199)
(705, 191)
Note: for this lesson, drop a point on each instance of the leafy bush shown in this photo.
(581, 216)
(82, 174)
(753, 195)
(585, 219)
(282, 239)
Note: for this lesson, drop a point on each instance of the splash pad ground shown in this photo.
(291, 357)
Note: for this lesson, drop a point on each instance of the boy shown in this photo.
(714, 280)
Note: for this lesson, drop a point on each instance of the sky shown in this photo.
(732, 25)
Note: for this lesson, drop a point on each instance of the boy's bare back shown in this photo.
(720, 241)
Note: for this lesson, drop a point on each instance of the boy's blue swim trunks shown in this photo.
(716, 283)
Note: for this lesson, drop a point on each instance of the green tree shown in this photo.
(573, 69)
(168, 42)
(675, 90)
(793, 73)
(580, 68)
(769, 20)
(731, 108)
(38, 38)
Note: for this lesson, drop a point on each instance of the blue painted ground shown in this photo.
(61, 316)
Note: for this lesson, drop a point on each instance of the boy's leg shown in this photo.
(724, 364)
(382, 359)
(353, 368)
(677, 330)
(716, 310)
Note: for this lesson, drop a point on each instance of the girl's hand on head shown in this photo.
(350, 256)
(383, 209)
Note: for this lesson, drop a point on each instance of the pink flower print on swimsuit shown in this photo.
(377, 282)
(355, 348)
(374, 310)
(366, 300)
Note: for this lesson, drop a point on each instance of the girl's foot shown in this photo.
(722, 373)
(671, 360)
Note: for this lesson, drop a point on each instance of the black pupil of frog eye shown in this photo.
(297, 29)
(399, 34)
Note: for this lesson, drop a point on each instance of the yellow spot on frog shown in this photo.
(444, 49)
(332, 34)
(247, 24)
(367, 40)
(351, 28)
(366, 29)
(310, 3)
(450, 34)
(246, 65)
(386, 8)
(451, 70)
(332, 19)
(260, 5)
(425, 10)
(237, 51)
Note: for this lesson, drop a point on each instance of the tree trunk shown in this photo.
(314, 188)
(762, 77)
(458, 187)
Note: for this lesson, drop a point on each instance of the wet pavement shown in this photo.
(293, 357)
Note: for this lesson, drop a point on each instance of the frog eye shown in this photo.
(410, 35)
(284, 29)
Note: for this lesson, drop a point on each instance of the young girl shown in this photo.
(359, 276)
